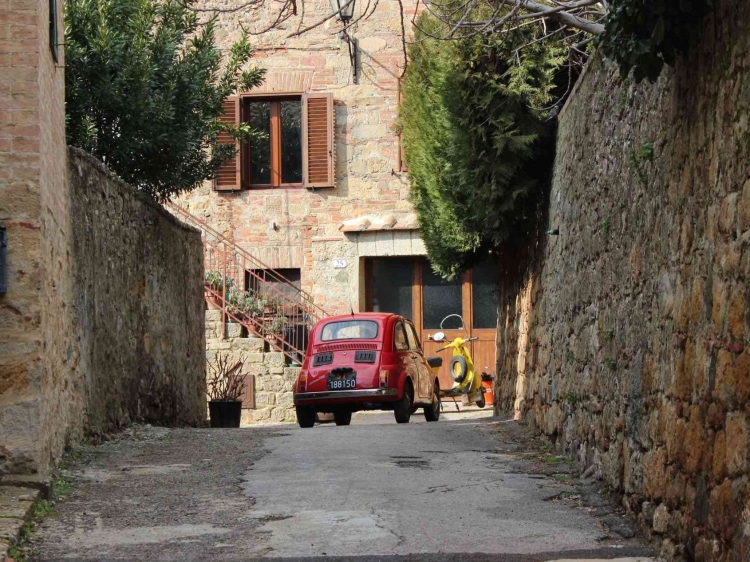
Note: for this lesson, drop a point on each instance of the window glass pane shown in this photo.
(392, 280)
(350, 330)
(399, 338)
(413, 340)
(440, 298)
(484, 295)
(291, 141)
(259, 117)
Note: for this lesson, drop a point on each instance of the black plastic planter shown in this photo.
(225, 414)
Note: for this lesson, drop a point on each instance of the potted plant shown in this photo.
(224, 386)
(275, 328)
(270, 304)
(252, 305)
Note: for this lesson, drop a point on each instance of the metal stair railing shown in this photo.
(253, 294)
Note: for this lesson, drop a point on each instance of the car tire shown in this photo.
(432, 412)
(342, 418)
(458, 368)
(403, 408)
(305, 416)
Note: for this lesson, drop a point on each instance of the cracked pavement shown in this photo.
(465, 488)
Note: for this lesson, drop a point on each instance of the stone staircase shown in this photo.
(255, 314)
(270, 398)
(252, 294)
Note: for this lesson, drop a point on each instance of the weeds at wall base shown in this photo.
(61, 486)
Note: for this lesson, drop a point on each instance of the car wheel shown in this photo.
(305, 416)
(432, 412)
(342, 418)
(458, 368)
(403, 407)
(481, 402)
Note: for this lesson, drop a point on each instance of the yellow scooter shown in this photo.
(465, 380)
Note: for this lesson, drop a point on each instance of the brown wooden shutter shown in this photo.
(317, 134)
(248, 393)
(228, 176)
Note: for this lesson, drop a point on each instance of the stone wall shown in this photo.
(137, 285)
(273, 377)
(114, 318)
(299, 228)
(626, 340)
(33, 207)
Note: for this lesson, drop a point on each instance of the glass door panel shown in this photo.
(392, 282)
(439, 299)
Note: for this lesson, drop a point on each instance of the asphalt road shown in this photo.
(464, 488)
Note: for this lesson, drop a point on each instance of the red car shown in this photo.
(366, 361)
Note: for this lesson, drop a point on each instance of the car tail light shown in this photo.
(302, 383)
(384, 378)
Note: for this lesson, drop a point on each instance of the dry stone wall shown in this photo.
(627, 338)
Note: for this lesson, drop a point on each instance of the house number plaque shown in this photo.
(339, 263)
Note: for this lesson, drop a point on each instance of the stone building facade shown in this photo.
(298, 228)
(626, 339)
(97, 323)
(33, 212)
(353, 242)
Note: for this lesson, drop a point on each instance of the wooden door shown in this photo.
(430, 299)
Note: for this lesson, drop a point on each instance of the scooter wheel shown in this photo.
(458, 368)
(481, 402)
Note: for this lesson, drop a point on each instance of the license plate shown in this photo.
(342, 380)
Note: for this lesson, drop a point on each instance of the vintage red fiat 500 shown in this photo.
(366, 361)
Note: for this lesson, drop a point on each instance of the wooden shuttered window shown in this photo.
(228, 176)
(317, 146)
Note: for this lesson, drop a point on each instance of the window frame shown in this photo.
(275, 140)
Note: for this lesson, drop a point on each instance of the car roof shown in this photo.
(360, 316)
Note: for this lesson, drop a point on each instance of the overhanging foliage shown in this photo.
(144, 90)
(475, 139)
(643, 35)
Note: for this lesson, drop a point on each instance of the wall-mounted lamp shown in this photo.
(345, 11)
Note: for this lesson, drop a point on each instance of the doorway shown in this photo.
(408, 286)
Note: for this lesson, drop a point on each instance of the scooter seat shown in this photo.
(435, 362)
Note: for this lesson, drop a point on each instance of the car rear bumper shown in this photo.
(364, 395)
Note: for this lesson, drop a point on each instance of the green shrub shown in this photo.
(476, 142)
(145, 88)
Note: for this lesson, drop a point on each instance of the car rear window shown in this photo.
(350, 330)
